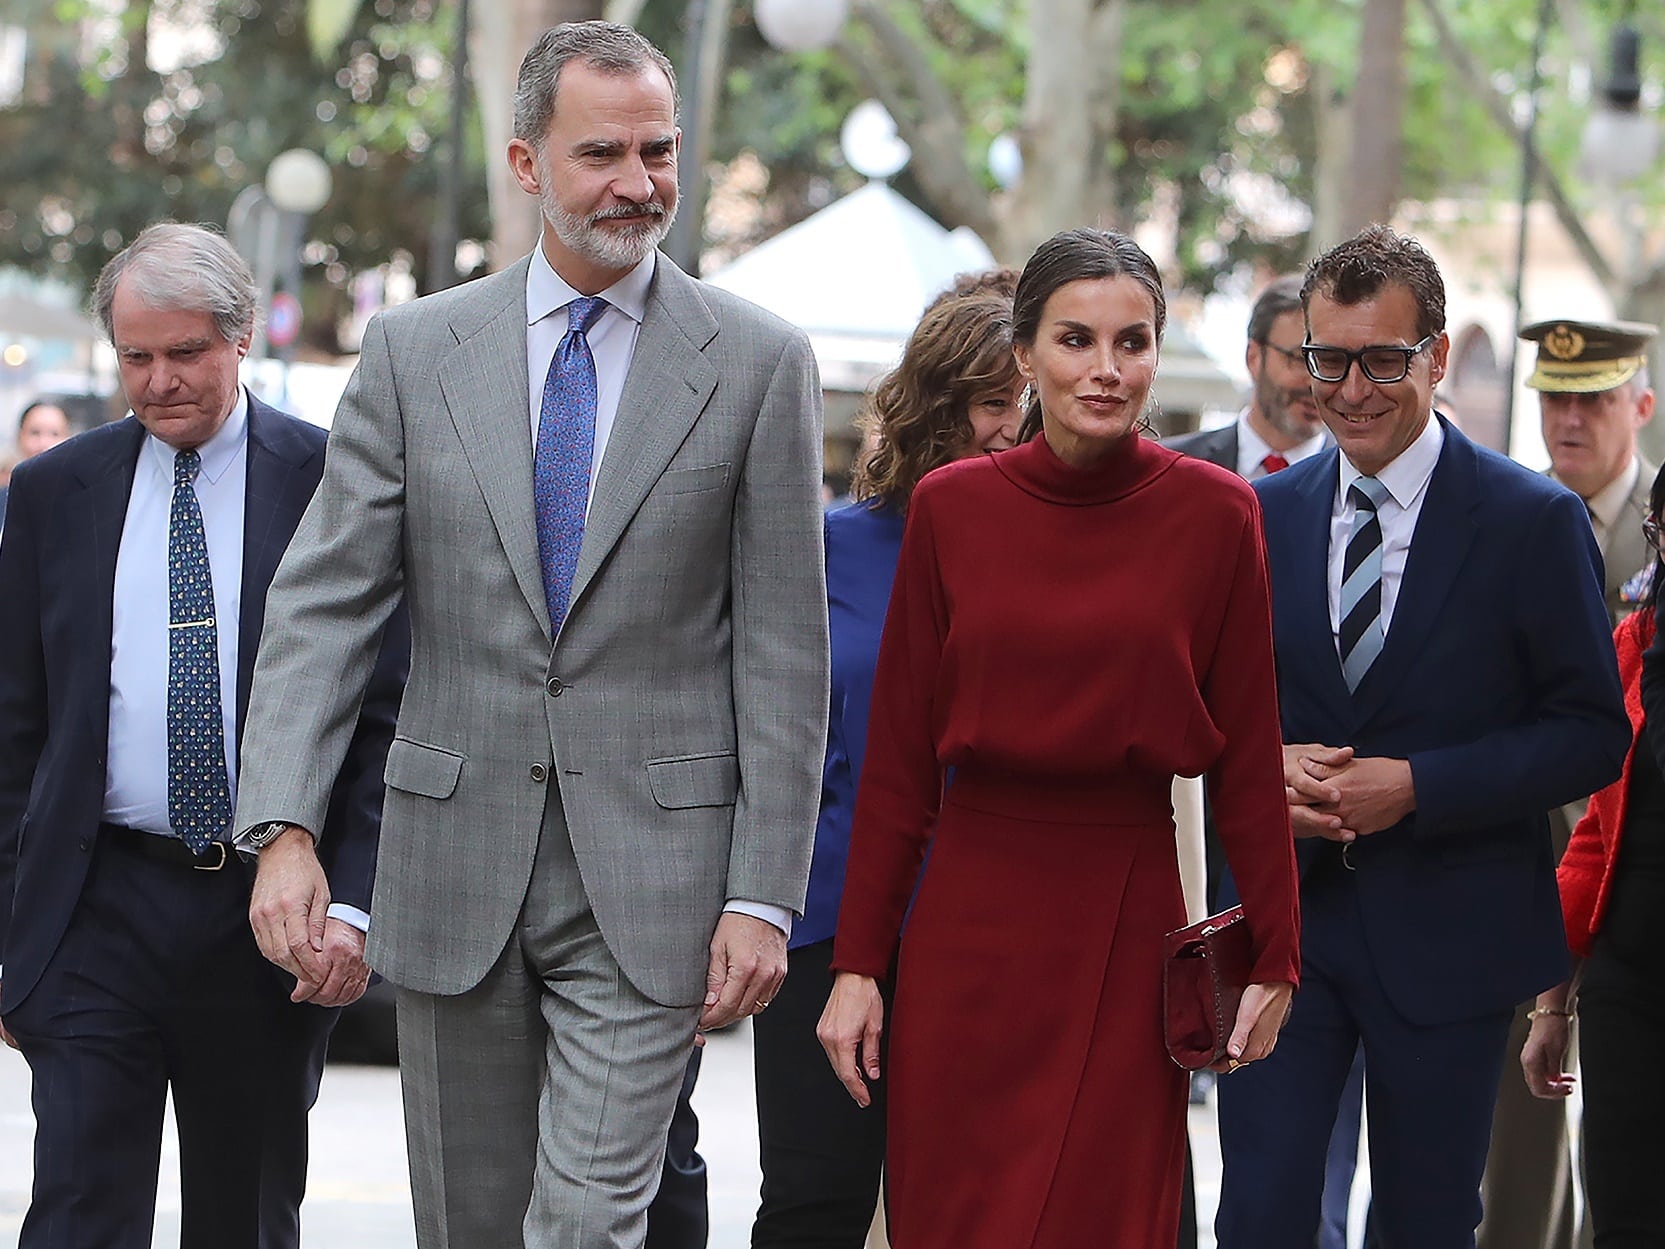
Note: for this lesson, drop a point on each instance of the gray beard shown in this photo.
(609, 248)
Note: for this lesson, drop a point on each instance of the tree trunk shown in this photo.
(1332, 133)
(1378, 119)
(1061, 140)
(503, 31)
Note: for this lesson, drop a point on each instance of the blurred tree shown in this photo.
(170, 107)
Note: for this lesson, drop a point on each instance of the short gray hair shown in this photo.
(191, 267)
(610, 47)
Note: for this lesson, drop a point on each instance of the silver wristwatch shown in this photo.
(263, 835)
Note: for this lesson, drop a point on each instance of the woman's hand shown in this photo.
(849, 1031)
(1543, 1059)
(1260, 1015)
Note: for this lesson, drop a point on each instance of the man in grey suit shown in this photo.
(1280, 425)
(603, 787)
(1593, 397)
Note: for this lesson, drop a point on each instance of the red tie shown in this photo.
(1274, 462)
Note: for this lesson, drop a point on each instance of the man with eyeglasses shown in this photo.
(1445, 676)
(1593, 398)
(1280, 425)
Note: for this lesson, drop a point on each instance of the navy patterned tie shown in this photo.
(1362, 636)
(561, 463)
(199, 792)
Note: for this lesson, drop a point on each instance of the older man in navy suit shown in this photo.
(133, 579)
(1445, 678)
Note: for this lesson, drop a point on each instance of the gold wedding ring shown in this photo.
(1232, 1065)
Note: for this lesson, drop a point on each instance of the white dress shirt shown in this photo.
(136, 776)
(612, 340)
(1406, 480)
(1252, 449)
(136, 773)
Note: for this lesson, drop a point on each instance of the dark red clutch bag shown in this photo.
(1205, 969)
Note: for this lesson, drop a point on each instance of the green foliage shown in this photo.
(96, 151)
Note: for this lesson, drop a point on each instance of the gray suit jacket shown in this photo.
(682, 711)
(1217, 446)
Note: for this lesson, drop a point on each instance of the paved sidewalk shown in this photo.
(359, 1194)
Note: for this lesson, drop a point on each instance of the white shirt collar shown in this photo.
(1407, 475)
(1250, 443)
(548, 292)
(218, 453)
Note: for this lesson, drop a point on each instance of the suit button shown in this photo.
(540, 774)
(555, 686)
(86, 843)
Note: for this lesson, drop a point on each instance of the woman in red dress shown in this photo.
(1074, 622)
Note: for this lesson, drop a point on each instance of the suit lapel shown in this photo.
(1440, 544)
(92, 522)
(669, 384)
(1310, 565)
(483, 380)
(275, 496)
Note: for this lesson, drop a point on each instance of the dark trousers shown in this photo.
(1429, 1090)
(1620, 1017)
(821, 1153)
(157, 985)
(680, 1216)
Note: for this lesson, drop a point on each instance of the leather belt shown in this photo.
(166, 848)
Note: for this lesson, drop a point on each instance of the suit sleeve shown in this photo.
(1574, 736)
(900, 791)
(22, 678)
(354, 820)
(338, 583)
(778, 597)
(1246, 781)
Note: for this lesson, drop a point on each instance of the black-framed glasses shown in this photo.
(1381, 365)
(1650, 531)
(1286, 352)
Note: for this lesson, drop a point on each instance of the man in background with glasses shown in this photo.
(1445, 676)
(1594, 397)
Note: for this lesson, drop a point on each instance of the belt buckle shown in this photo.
(1347, 857)
(212, 867)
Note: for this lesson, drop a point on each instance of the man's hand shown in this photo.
(287, 909)
(849, 1031)
(1307, 767)
(748, 963)
(1375, 793)
(343, 954)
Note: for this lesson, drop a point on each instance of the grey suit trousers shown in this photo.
(536, 1103)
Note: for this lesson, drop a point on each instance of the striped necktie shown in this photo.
(1362, 635)
(199, 791)
(561, 461)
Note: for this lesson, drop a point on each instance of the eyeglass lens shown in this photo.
(1329, 364)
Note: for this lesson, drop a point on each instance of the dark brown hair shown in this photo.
(961, 349)
(1072, 256)
(1376, 257)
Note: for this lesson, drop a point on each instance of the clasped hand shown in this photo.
(1335, 794)
(288, 911)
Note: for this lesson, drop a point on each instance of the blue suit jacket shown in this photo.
(57, 582)
(1498, 683)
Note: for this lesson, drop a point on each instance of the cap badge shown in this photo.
(1564, 343)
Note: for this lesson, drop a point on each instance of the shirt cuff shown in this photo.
(349, 915)
(779, 916)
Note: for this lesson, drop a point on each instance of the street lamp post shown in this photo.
(790, 25)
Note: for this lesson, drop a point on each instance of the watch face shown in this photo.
(266, 834)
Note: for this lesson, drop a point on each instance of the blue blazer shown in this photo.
(57, 584)
(1497, 682)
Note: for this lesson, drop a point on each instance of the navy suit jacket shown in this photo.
(57, 581)
(1497, 682)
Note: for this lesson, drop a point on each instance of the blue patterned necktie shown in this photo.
(199, 792)
(561, 463)
(1362, 637)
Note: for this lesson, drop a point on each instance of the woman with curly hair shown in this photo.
(954, 394)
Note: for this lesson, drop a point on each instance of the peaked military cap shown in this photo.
(1586, 357)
